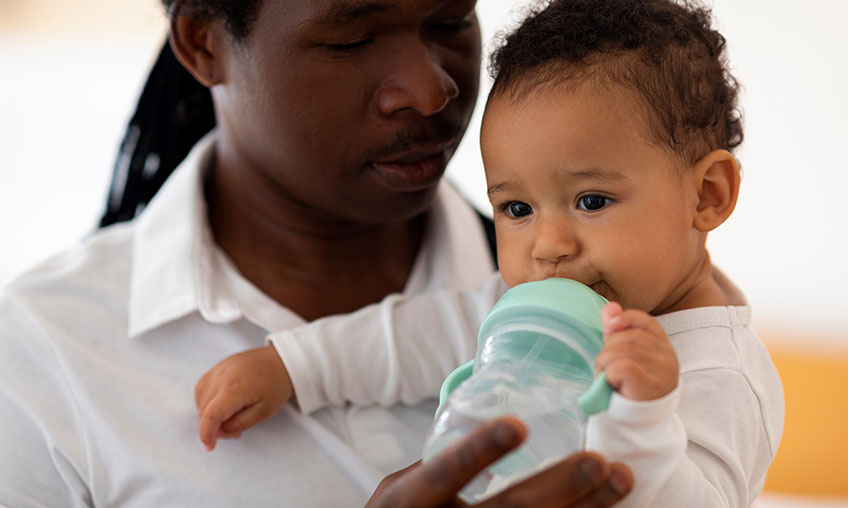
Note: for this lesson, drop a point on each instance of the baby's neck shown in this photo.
(707, 287)
(733, 293)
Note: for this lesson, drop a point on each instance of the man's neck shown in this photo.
(314, 264)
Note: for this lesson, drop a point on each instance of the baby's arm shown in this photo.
(706, 443)
(399, 350)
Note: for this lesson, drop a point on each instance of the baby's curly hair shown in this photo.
(238, 15)
(663, 50)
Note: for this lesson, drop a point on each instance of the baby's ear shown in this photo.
(718, 189)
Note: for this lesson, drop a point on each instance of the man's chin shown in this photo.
(394, 206)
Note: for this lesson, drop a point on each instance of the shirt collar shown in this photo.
(177, 268)
(455, 252)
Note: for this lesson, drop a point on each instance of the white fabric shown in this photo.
(100, 349)
(710, 442)
(706, 444)
(413, 342)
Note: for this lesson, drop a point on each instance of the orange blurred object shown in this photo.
(813, 454)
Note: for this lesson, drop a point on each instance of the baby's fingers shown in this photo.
(245, 419)
(610, 321)
(221, 408)
(202, 391)
(633, 318)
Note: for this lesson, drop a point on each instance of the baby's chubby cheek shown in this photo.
(510, 272)
(515, 274)
(509, 277)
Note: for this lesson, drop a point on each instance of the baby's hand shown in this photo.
(239, 392)
(637, 358)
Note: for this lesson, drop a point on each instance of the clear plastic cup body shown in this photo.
(531, 366)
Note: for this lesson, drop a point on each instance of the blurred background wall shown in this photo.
(70, 73)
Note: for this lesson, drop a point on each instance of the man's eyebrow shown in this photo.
(342, 13)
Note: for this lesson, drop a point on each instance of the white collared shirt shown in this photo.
(101, 346)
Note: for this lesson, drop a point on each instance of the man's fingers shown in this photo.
(380, 497)
(616, 486)
(562, 485)
(438, 480)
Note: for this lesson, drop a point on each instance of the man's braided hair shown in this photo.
(173, 113)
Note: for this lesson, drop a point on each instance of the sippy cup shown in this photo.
(535, 360)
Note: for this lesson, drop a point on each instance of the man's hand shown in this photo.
(638, 359)
(583, 480)
(239, 392)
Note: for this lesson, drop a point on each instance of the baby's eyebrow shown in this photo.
(498, 187)
(598, 174)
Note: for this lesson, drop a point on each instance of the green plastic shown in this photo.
(567, 298)
(453, 380)
(597, 397)
(571, 305)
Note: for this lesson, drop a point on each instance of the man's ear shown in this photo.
(718, 182)
(200, 45)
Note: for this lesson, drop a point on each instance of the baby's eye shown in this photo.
(592, 202)
(517, 209)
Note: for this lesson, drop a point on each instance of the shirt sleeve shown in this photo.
(399, 350)
(41, 455)
(703, 445)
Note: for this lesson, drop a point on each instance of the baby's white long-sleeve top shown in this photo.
(708, 443)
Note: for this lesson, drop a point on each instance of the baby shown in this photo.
(607, 143)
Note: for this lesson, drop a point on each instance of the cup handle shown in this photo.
(597, 397)
(453, 380)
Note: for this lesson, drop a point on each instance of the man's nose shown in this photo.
(418, 82)
(556, 240)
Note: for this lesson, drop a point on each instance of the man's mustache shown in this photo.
(411, 138)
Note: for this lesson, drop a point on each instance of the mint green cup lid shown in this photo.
(566, 298)
(573, 304)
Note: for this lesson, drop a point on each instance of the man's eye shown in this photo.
(348, 47)
(453, 26)
(592, 202)
(517, 209)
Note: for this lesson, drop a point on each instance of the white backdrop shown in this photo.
(71, 72)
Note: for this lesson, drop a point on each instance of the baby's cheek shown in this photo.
(510, 274)
(512, 265)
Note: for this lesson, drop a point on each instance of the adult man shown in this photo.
(318, 194)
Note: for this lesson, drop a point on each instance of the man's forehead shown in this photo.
(335, 13)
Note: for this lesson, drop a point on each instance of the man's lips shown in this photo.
(413, 156)
(414, 170)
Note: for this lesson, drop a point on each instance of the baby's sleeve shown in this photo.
(398, 350)
(704, 445)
